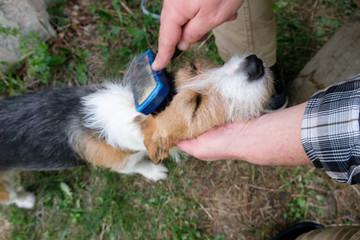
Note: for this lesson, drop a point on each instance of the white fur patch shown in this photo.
(18, 195)
(243, 99)
(25, 200)
(138, 163)
(111, 111)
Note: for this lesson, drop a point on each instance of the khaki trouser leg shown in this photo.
(336, 233)
(254, 31)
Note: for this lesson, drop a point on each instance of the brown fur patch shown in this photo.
(4, 194)
(96, 151)
(185, 75)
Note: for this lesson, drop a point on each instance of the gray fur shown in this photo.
(34, 129)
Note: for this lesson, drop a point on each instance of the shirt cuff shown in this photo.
(330, 130)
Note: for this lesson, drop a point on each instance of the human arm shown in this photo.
(271, 139)
(186, 22)
(328, 130)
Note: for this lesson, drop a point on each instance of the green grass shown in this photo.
(85, 204)
(303, 28)
(41, 62)
(88, 203)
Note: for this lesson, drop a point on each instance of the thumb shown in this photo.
(186, 145)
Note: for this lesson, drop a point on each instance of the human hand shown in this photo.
(215, 144)
(271, 139)
(188, 21)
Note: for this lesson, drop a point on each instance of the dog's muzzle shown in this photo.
(254, 67)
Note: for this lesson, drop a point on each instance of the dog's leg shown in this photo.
(99, 153)
(157, 140)
(13, 192)
(138, 163)
(4, 194)
(160, 136)
(164, 130)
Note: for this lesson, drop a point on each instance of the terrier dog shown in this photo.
(66, 127)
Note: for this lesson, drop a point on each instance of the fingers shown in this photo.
(195, 148)
(166, 48)
(206, 19)
(233, 17)
(186, 22)
(172, 21)
(220, 143)
(209, 146)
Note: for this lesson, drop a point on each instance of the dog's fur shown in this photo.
(65, 127)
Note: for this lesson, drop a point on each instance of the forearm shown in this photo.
(324, 131)
(272, 139)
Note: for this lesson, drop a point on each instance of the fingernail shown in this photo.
(183, 45)
(155, 66)
(203, 38)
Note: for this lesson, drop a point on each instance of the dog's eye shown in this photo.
(197, 104)
(198, 100)
(193, 68)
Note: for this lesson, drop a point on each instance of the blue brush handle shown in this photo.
(159, 93)
(157, 96)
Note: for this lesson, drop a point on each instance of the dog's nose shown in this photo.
(254, 67)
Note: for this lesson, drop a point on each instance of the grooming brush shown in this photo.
(150, 87)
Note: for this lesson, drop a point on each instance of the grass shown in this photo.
(106, 205)
(219, 200)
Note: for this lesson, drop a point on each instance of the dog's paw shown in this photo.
(159, 150)
(153, 172)
(25, 200)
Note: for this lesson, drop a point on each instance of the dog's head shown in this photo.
(205, 96)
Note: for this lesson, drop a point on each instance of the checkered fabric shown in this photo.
(330, 130)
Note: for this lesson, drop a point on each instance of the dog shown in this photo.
(64, 127)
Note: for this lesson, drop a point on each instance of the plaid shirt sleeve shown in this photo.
(330, 130)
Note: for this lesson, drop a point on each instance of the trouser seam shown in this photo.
(248, 25)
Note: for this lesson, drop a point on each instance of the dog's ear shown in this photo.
(156, 140)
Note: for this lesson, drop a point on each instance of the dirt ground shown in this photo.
(245, 201)
(5, 228)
